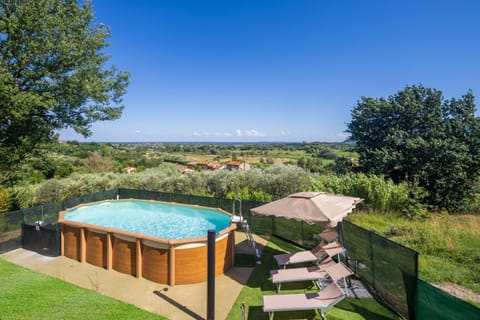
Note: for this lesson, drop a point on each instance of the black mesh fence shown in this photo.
(389, 268)
(225, 204)
(36, 228)
(98, 196)
(10, 230)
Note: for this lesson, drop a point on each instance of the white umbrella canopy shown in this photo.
(311, 207)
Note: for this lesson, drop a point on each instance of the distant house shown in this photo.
(209, 165)
(129, 169)
(237, 165)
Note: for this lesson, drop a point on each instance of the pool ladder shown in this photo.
(246, 228)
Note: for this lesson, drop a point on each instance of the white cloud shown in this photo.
(229, 134)
(138, 131)
(285, 133)
(249, 133)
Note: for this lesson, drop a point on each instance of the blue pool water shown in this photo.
(156, 219)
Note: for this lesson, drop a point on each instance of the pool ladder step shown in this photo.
(245, 227)
(250, 238)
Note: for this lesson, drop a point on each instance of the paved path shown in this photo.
(176, 303)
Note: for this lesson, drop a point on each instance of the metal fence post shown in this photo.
(371, 260)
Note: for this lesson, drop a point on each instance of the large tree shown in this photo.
(416, 135)
(53, 75)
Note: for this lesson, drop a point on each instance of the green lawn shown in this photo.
(259, 284)
(25, 294)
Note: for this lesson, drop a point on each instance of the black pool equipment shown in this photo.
(41, 237)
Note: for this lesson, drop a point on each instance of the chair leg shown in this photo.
(270, 315)
(323, 314)
(345, 285)
(319, 284)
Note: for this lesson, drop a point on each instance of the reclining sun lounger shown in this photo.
(323, 300)
(329, 268)
(316, 254)
(329, 235)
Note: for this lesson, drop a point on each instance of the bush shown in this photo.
(49, 191)
(5, 200)
(252, 195)
(23, 196)
(379, 194)
(5, 205)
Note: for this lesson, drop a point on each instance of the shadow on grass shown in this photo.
(178, 305)
(256, 313)
(367, 308)
(244, 260)
(260, 277)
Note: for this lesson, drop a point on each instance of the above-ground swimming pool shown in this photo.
(161, 242)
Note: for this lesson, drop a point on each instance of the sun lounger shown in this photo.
(328, 269)
(313, 273)
(317, 254)
(323, 301)
(329, 235)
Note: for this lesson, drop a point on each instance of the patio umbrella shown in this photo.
(311, 207)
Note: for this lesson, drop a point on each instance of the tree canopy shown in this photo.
(418, 136)
(53, 74)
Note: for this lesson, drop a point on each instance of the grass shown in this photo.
(449, 245)
(25, 294)
(259, 284)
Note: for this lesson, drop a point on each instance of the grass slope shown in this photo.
(25, 294)
(449, 245)
(259, 284)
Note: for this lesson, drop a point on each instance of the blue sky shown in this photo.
(277, 70)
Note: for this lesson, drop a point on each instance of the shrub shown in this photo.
(5, 200)
(248, 194)
(5, 205)
(23, 196)
(48, 191)
(379, 194)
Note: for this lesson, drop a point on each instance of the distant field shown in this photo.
(216, 158)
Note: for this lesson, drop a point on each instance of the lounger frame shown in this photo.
(316, 254)
(304, 301)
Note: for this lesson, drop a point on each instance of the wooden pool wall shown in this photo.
(160, 260)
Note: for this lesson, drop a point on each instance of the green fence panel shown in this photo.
(433, 303)
(390, 262)
(383, 264)
(93, 197)
(11, 221)
(359, 249)
(301, 233)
